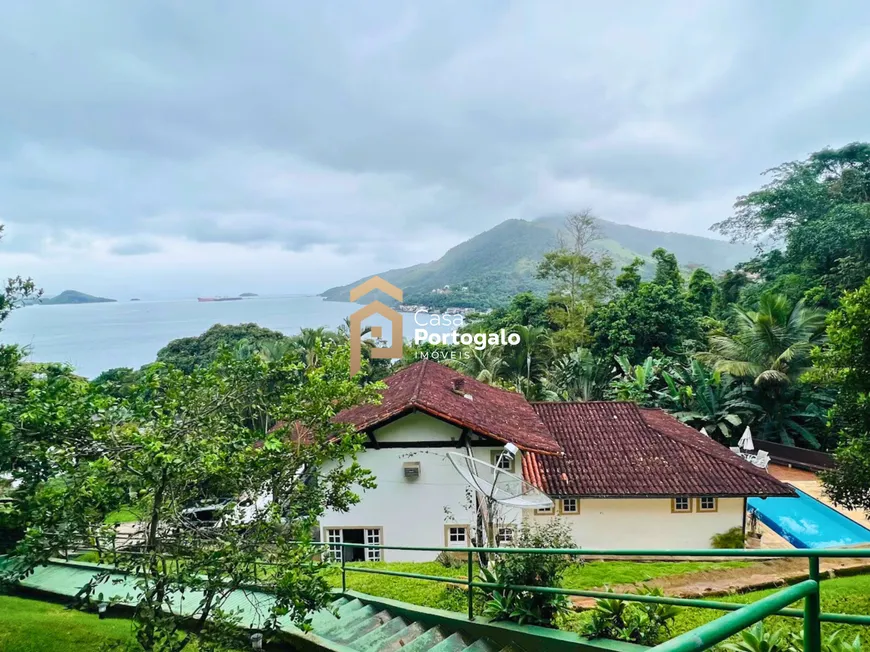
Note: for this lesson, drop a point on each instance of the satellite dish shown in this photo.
(501, 486)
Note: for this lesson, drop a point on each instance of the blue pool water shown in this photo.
(807, 523)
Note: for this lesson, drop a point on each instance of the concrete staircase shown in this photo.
(366, 628)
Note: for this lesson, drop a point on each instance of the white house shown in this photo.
(620, 476)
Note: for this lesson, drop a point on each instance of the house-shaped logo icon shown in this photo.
(374, 308)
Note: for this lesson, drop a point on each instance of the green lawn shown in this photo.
(442, 596)
(35, 626)
(123, 515)
(841, 595)
(28, 625)
(610, 573)
(845, 595)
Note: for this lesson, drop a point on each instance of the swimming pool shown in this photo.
(808, 523)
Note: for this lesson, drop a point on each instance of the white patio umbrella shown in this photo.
(746, 442)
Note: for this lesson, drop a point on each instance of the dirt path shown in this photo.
(759, 575)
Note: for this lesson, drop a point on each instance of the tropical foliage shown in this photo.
(770, 348)
(180, 440)
(778, 344)
(644, 623)
(845, 364)
(506, 569)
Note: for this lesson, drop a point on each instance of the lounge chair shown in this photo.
(761, 460)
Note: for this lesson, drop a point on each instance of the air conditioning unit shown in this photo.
(412, 470)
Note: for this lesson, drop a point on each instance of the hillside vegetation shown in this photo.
(488, 269)
(74, 296)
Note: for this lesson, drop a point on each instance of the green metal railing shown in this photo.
(701, 638)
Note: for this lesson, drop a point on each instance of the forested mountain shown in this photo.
(491, 267)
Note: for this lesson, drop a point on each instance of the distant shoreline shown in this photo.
(28, 304)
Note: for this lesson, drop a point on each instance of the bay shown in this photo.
(94, 337)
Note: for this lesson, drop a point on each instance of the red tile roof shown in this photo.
(437, 390)
(616, 449)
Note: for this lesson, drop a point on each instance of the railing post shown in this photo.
(812, 609)
(343, 572)
(470, 587)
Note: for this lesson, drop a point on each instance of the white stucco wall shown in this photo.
(413, 512)
(646, 523)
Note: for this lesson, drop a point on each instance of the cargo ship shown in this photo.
(219, 298)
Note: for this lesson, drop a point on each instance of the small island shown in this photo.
(249, 294)
(74, 296)
(135, 299)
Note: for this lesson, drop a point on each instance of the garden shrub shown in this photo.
(526, 607)
(449, 560)
(759, 639)
(732, 538)
(636, 622)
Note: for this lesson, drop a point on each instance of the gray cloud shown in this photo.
(307, 125)
(134, 247)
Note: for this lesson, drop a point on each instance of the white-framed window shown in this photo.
(546, 511)
(502, 460)
(505, 535)
(373, 538)
(570, 506)
(456, 535)
(681, 504)
(708, 504)
(334, 536)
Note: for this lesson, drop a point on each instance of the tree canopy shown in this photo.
(845, 364)
(188, 353)
(819, 210)
(646, 316)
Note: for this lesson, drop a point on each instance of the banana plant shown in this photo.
(707, 399)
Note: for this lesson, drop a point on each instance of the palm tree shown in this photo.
(244, 349)
(344, 330)
(577, 376)
(309, 342)
(771, 346)
(771, 350)
(485, 365)
(274, 350)
(526, 358)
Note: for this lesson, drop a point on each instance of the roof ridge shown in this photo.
(731, 460)
(416, 393)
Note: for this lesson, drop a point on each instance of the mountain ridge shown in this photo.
(490, 267)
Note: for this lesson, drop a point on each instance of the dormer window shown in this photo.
(502, 461)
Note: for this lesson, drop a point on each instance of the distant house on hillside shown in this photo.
(620, 476)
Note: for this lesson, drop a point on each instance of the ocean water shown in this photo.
(98, 336)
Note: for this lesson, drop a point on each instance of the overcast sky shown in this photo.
(154, 148)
